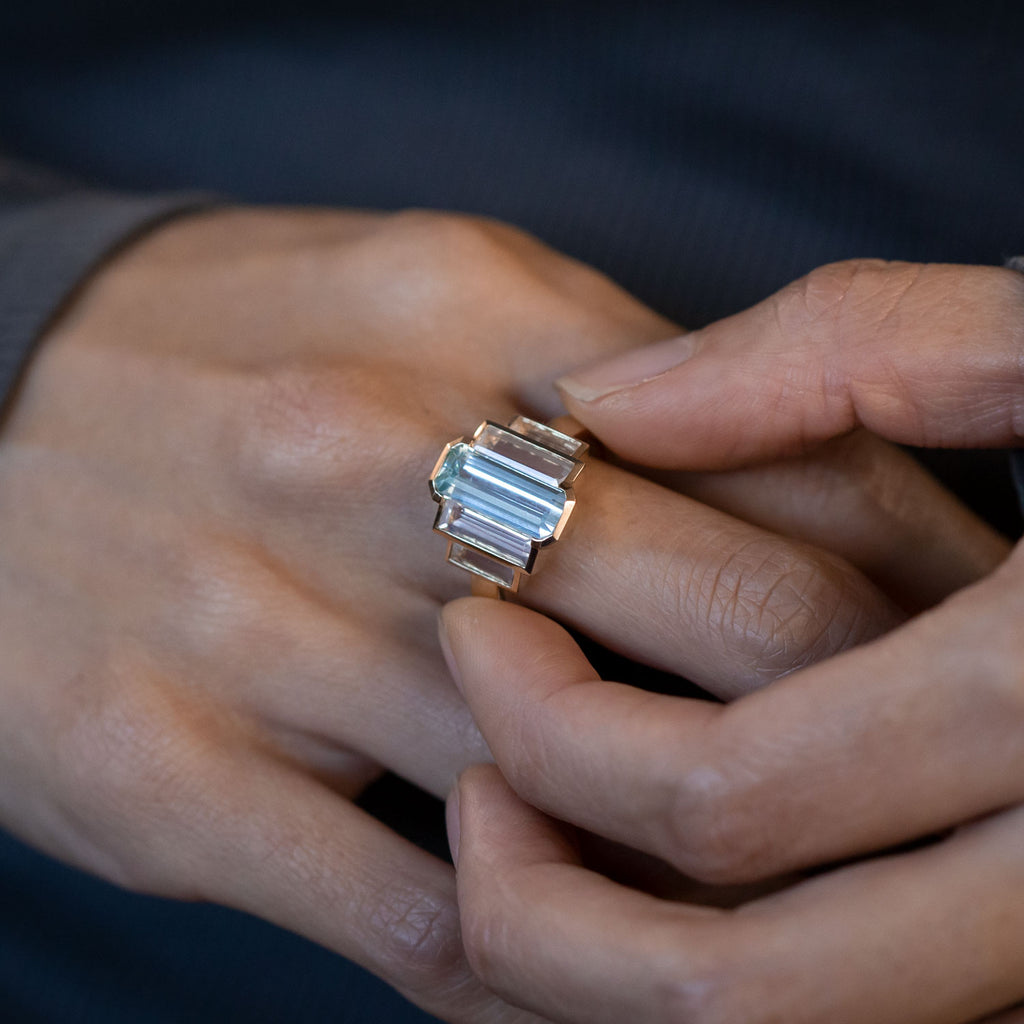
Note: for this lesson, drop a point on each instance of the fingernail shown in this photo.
(638, 366)
(446, 650)
(453, 823)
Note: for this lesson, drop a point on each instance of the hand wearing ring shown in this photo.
(222, 588)
(868, 810)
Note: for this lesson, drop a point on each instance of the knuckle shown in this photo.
(423, 271)
(868, 476)
(690, 1001)
(449, 263)
(132, 776)
(420, 943)
(717, 830)
(861, 307)
(224, 608)
(1000, 672)
(295, 419)
(835, 291)
(446, 238)
(304, 433)
(714, 993)
(777, 608)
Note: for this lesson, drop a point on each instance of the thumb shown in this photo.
(922, 354)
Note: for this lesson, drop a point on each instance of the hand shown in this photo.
(915, 738)
(218, 588)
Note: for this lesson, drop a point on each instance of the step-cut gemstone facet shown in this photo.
(503, 495)
(492, 505)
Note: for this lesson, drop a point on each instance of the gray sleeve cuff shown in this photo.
(48, 247)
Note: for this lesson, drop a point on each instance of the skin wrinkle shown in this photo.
(896, 384)
(706, 591)
(664, 787)
(840, 381)
(531, 759)
(421, 930)
(899, 279)
(833, 379)
(779, 627)
(674, 585)
(742, 607)
(531, 734)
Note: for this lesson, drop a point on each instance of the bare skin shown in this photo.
(218, 588)
(916, 737)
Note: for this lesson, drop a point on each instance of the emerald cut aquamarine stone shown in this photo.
(503, 495)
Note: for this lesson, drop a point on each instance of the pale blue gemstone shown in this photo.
(521, 503)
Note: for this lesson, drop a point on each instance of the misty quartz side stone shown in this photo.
(503, 495)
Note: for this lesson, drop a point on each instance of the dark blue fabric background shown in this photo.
(702, 154)
(73, 949)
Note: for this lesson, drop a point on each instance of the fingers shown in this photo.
(931, 937)
(606, 757)
(337, 682)
(920, 354)
(165, 790)
(911, 734)
(544, 933)
(683, 587)
(868, 502)
(287, 850)
(729, 605)
(653, 574)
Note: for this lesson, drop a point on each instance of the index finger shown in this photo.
(922, 354)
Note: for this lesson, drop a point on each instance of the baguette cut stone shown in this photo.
(548, 436)
(523, 455)
(463, 524)
(479, 563)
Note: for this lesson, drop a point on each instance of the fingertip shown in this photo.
(465, 614)
(480, 636)
(459, 625)
(498, 828)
